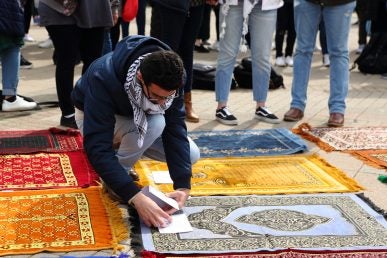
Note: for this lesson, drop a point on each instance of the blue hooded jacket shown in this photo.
(100, 94)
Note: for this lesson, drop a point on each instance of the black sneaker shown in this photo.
(264, 114)
(225, 117)
(68, 122)
(24, 63)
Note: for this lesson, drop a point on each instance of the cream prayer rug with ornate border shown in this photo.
(268, 223)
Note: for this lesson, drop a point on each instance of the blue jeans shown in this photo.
(10, 62)
(261, 26)
(126, 135)
(337, 21)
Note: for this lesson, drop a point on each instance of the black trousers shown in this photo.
(70, 42)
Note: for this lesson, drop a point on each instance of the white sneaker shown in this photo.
(215, 46)
(46, 44)
(326, 61)
(28, 38)
(280, 61)
(18, 105)
(360, 49)
(289, 60)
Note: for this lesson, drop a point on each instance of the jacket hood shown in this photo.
(130, 48)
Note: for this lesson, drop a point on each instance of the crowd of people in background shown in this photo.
(80, 38)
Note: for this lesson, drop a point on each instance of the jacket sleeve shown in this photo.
(176, 145)
(99, 121)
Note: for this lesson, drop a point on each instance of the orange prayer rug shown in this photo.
(289, 174)
(46, 170)
(59, 221)
(345, 138)
(375, 158)
(51, 140)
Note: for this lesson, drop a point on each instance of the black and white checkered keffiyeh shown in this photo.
(139, 101)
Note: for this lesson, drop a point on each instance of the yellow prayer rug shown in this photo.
(58, 221)
(289, 174)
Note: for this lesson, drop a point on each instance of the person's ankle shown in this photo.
(10, 98)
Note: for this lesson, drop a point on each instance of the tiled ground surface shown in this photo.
(367, 106)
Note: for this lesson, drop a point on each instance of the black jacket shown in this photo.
(101, 95)
(11, 18)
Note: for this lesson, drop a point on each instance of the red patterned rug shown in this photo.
(51, 140)
(46, 170)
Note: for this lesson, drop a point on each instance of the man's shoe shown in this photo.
(201, 49)
(280, 61)
(225, 117)
(293, 115)
(46, 44)
(133, 174)
(289, 60)
(336, 120)
(326, 60)
(24, 63)
(360, 49)
(20, 104)
(68, 122)
(264, 114)
(28, 38)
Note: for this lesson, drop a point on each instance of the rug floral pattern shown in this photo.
(256, 223)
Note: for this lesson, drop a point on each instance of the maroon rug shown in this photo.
(30, 141)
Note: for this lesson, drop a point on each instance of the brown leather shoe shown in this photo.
(336, 120)
(293, 115)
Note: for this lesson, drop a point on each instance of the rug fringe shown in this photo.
(120, 227)
(339, 175)
(372, 205)
(366, 160)
(304, 131)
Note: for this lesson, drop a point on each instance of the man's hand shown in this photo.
(180, 196)
(150, 213)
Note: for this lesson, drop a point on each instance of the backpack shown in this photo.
(203, 77)
(373, 58)
(243, 76)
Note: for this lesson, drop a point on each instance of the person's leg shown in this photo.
(126, 136)
(156, 151)
(204, 31)
(66, 40)
(306, 17)
(107, 42)
(185, 51)
(91, 45)
(167, 25)
(280, 30)
(141, 16)
(291, 36)
(10, 61)
(115, 33)
(261, 23)
(337, 24)
(323, 37)
(27, 15)
(228, 50)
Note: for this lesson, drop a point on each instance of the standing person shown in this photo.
(11, 40)
(337, 20)
(178, 28)
(361, 11)
(79, 31)
(285, 25)
(235, 18)
(131, 98)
